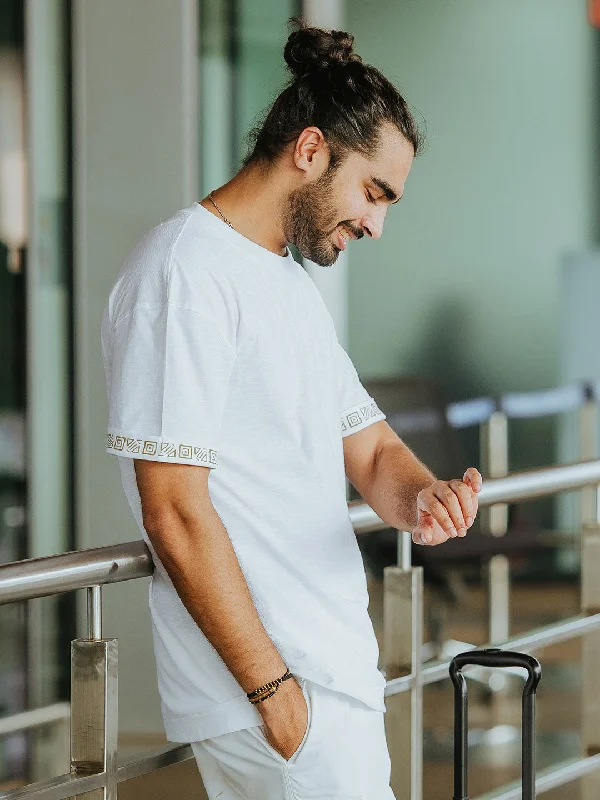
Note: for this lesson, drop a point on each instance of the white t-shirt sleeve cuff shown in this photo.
(357, 417)
(154, 448)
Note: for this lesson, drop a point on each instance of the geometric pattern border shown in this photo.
(357, 417)
(159, 450)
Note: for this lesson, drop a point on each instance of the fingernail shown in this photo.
(423, 538)
(469, 521)
(453, 532)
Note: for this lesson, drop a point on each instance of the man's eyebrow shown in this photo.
(389, 193)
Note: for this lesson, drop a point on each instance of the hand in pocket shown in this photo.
(285, 716)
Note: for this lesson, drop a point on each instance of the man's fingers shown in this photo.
(467, 500)
(473, 477)
(451, 505)
(475, 501)
(448, 498)
(423, 533)
(439, 512)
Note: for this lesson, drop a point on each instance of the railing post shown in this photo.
(588, 448)
(590, 596)
(590, 656)
(94, 703)
(494, 460)
(94, 612)
(402, 643)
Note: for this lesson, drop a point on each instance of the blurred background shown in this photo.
(484, 287)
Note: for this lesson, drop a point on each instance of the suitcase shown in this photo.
(494, 657)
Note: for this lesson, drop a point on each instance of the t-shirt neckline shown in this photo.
(242, 242)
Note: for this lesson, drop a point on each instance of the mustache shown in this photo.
(358, 233)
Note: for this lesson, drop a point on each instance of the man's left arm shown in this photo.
(403, 492)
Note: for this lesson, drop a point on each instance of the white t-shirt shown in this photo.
(221, 353)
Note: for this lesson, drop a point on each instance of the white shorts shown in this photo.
(343, 756)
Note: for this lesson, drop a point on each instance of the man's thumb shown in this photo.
(424, 529)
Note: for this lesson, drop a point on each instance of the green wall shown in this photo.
(463, 286)
(262, 34)
(241, 72)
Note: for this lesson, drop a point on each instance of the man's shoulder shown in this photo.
(176, 249)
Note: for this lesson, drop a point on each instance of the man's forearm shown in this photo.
(202, 563)
(398, 477)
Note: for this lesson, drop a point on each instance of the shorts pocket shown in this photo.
(259, 730)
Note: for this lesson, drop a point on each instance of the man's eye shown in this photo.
(370, 198)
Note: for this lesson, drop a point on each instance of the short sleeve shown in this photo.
(168, 371)
(357, 407)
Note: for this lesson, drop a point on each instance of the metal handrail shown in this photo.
(35, 718)
(527, 642)
(514, 488)
(42, 577)
(134, 766)
(549, 778)
(81, 569)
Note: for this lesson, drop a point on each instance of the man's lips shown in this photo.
(342, 240)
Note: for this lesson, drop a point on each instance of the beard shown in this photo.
(310, 220)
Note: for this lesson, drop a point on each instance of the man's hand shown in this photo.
(285, 716)
(446, 509)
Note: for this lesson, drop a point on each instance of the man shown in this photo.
(237, 415)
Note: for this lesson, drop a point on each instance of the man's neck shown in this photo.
(253, 204)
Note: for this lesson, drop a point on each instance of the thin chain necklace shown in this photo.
(210, 197)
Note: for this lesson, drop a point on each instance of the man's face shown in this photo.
(349, 201)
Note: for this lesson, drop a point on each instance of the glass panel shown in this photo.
(49, 346)
(13, 237)
(49, 392)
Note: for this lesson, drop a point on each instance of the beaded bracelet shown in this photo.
(256, 700)
(269, 689)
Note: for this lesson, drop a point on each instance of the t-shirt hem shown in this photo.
(155, 448)
(360, 416)
(234, 715)
(239, 713)
(371, 695)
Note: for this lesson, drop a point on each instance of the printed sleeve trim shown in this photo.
(154, 448)
(361, 416)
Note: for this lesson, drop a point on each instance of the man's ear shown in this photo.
(311, 152)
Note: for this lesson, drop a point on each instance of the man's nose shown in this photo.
(373, 224)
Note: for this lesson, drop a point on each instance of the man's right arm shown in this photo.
(194, 547)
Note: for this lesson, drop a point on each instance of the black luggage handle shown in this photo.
(493, 657)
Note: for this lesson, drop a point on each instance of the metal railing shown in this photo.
(492, 416)
(95, 768)
(35, 718)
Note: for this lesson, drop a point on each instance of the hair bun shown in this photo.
(311, 49)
